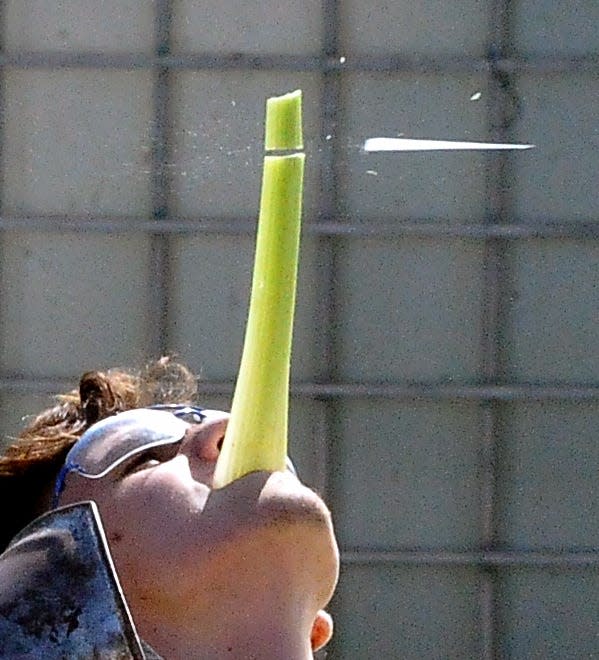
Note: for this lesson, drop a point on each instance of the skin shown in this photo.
(240, 572)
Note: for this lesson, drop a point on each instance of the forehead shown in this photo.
(109, 439)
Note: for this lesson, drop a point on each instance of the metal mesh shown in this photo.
(499, 231)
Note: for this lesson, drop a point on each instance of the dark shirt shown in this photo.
(59, 593)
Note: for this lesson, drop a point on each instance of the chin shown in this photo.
(298, 524)
(269, 519)
(284, 499)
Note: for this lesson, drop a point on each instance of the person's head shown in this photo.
(28, 466)
(255, 559)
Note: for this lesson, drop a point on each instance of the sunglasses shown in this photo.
(114, 441)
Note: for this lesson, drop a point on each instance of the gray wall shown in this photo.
(446, 369)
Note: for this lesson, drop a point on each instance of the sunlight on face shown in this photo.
(177, 541)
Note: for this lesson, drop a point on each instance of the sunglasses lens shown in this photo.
(114, 439)
(189, 414)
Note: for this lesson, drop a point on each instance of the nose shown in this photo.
(204, 440)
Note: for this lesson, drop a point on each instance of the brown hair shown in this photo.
(29, 466)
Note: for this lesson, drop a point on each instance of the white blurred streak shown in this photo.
(407, 144)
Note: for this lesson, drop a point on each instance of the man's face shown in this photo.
(175, 540)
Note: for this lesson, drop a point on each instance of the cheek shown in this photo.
(150, 514)
(137, 545)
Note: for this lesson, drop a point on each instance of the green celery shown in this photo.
(256, 437)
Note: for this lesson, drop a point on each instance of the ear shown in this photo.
(322, 630)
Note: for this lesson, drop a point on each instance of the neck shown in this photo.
(255, 594)
(248, 604)
(264, 630)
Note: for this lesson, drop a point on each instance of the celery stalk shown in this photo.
(256, 437)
